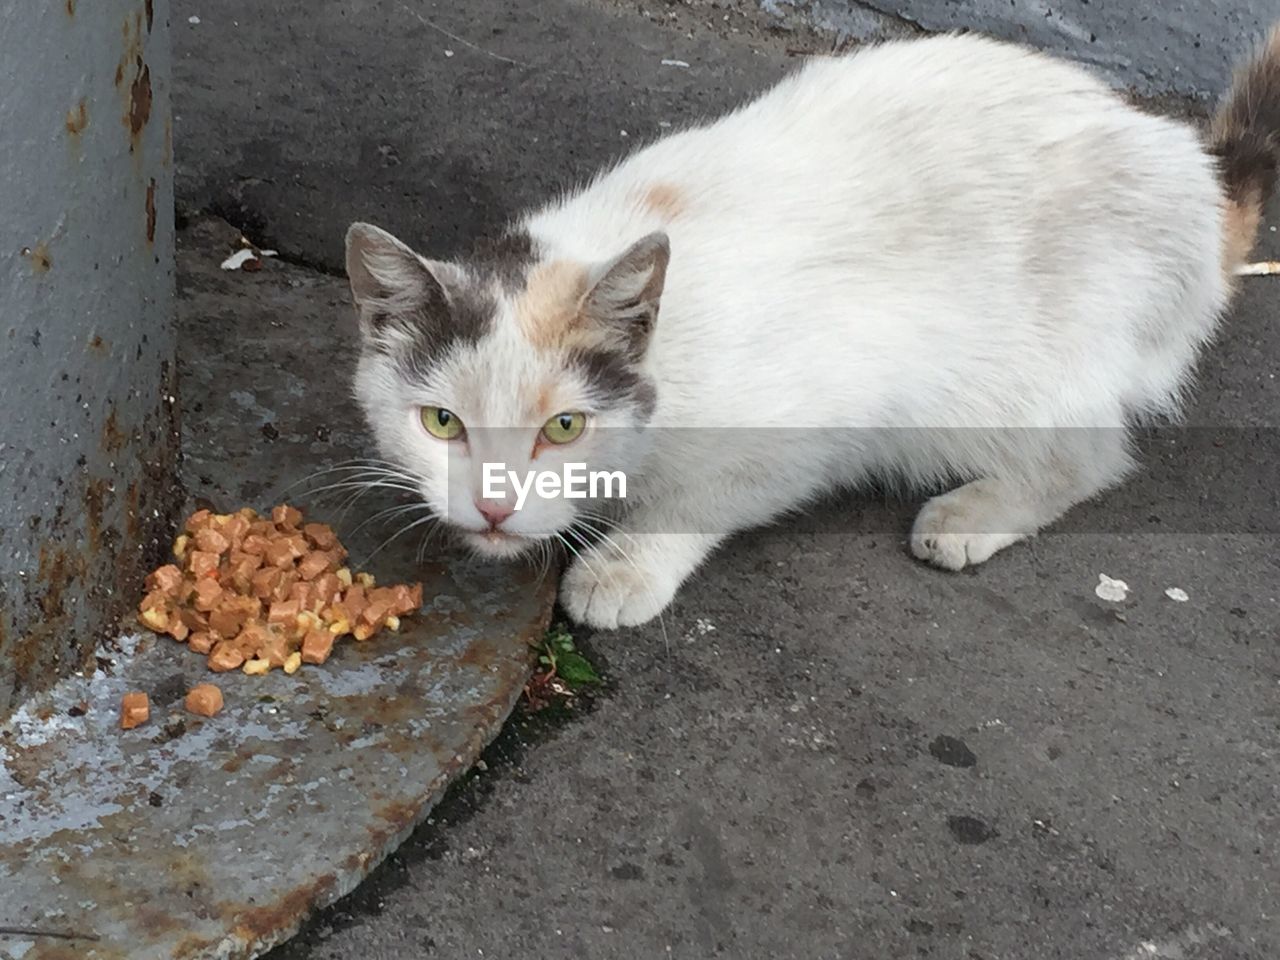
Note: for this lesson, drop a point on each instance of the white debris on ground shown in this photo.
(1178, 594)
(1265, 268)
(1178, 946)
(701, 627)
(248, 257)
(675, 63)
(193, 20)
(1113, 591)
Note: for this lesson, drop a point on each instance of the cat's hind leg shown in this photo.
(1034, 477)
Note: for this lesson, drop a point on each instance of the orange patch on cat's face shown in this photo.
(551, 302)
(664, 201)
(543, 409)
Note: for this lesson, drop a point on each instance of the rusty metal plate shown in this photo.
(192, 837)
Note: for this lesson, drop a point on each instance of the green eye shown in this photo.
(564, 427)
(441, 423)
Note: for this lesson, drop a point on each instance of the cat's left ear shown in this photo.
(624, 298)
(389, 282)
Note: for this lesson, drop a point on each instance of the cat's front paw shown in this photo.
(610, 593)
(962, 528)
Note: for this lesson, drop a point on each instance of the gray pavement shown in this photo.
(827, 750)
(1180, 47)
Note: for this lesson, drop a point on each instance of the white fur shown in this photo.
(932, 259)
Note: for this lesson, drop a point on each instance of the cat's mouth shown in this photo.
(498, 544)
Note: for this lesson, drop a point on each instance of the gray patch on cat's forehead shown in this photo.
(504, 259)
(615, 380)
(493, 264)
(437, 329)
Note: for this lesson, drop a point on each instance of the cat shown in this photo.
(938, 258)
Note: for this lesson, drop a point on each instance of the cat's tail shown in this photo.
(1245, 136)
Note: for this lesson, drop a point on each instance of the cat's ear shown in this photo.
(389, 282)
(625, 294)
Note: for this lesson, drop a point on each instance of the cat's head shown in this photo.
(504, 361)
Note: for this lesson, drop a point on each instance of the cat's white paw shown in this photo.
(955, 530)
(608, 594)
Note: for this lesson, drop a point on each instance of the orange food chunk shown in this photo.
(225, 656)
(232, 613)
(135, 710)
(166, 580)
(313, 564)
(202, 563)
(286, 517)
(212, 541)
(204, 699)
(266, 582)
(235, 529)
(199, 520)
(322, 535)
(275, 649)
(280, 553)
(375, 614)
(207, 594)
(304, 594)
(194, 619)
(327, 588)
(255, 543)
(202, 642)
(178, 630)
(242, 566)
(355, 601)
(284, 612)
(316, 646)
(252, 638)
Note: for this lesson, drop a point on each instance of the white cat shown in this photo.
(942, 258)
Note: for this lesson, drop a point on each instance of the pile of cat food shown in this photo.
(257, 594)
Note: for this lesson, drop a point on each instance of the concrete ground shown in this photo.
(827, 750)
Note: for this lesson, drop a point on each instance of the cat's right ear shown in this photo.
(389, 282)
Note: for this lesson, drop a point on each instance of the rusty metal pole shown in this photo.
(88, 431)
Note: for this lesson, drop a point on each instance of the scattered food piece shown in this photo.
(135, 710)
(204, 699)
(1177, 594)
(258, 593)
(1113, 591)
(675, 63)
(194, 20)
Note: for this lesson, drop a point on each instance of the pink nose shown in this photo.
(495, 511)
